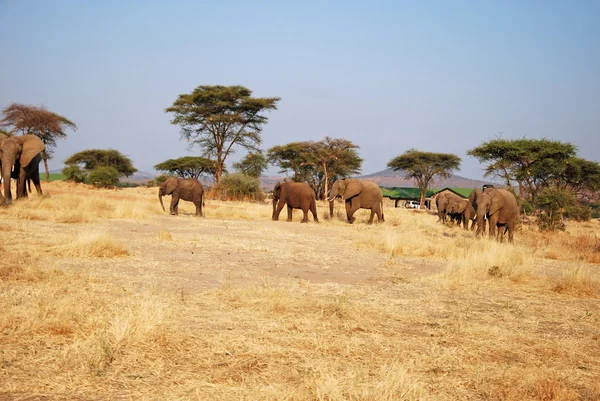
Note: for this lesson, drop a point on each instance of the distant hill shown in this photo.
(390, 178)
(139, 177)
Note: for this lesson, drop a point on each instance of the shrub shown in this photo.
(238, 186)
(74, 173)
(551, 203)
(526, 208)
(578, 212)
(103, 177)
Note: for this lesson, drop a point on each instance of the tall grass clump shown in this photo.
(92, 245)
(237, 187)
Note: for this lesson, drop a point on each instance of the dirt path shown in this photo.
(190, 254)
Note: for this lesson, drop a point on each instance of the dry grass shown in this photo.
(105, 295)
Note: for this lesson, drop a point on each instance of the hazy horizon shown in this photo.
(435, 76)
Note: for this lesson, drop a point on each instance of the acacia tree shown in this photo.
(317, 163)
(423, 166)
(48, 126)
(532, 163)
(187, 167)
(253, 164)
(84, 165)
(217, 118)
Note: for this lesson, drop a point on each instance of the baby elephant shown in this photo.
(297, 195)
(188, 189)
(463, 210)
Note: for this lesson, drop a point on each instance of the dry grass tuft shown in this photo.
(165, 236)
(580, 281)
(90, 245)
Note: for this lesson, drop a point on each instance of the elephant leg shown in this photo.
(305, 218)
(36, 182)
(313, 209)
(21, 184)
(280, 205)
(371, 216)
(174, 204)
(511, 232)
(290, 210)
(493, 221)
(198, 208)
(352, 206)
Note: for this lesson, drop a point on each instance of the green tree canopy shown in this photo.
(532, 163)
(423, 166)
(319, 163)
(253, 164)
(187, 167)
(94, 158)
(48, 126)
(217, 118)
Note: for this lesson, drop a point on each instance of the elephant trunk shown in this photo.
(274, 207)
(7, 164)
(160, 196)
(331, 208)
(480, 221)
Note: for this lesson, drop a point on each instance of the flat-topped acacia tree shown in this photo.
(46, 125)
(187, 167)
(423, 166)
(216, 118)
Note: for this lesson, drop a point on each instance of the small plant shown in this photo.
(103, 177)
(239, 186)
(526, 208)
(552, 203)
(578, 212)
(74, 173)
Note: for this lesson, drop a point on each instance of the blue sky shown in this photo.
(439, 76)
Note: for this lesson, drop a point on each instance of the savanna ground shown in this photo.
(105, 296)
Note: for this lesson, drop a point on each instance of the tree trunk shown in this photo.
(46, 167)
(326, 194)
(422, 198)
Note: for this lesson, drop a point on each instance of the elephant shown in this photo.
(442, 203)
(187, 189)
(296, 195)
(473, 196)
(465, 212)
(358, 194)
(20, 158)
(500, 208)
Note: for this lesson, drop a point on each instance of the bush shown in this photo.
(103, 177)
(526, 208)
(578, 212)
(74, 173)
(238, 186)
(551, 203)
(156, 181)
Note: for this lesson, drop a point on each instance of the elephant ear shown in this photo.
(497, 202)
(277, 190)
(353, 188)
(32, 145)
(171, 185)
(462, 206)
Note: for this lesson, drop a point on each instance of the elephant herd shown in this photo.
(20, 158)
(498, 207)
(357, 194)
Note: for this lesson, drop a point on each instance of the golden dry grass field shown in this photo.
(105, 296)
